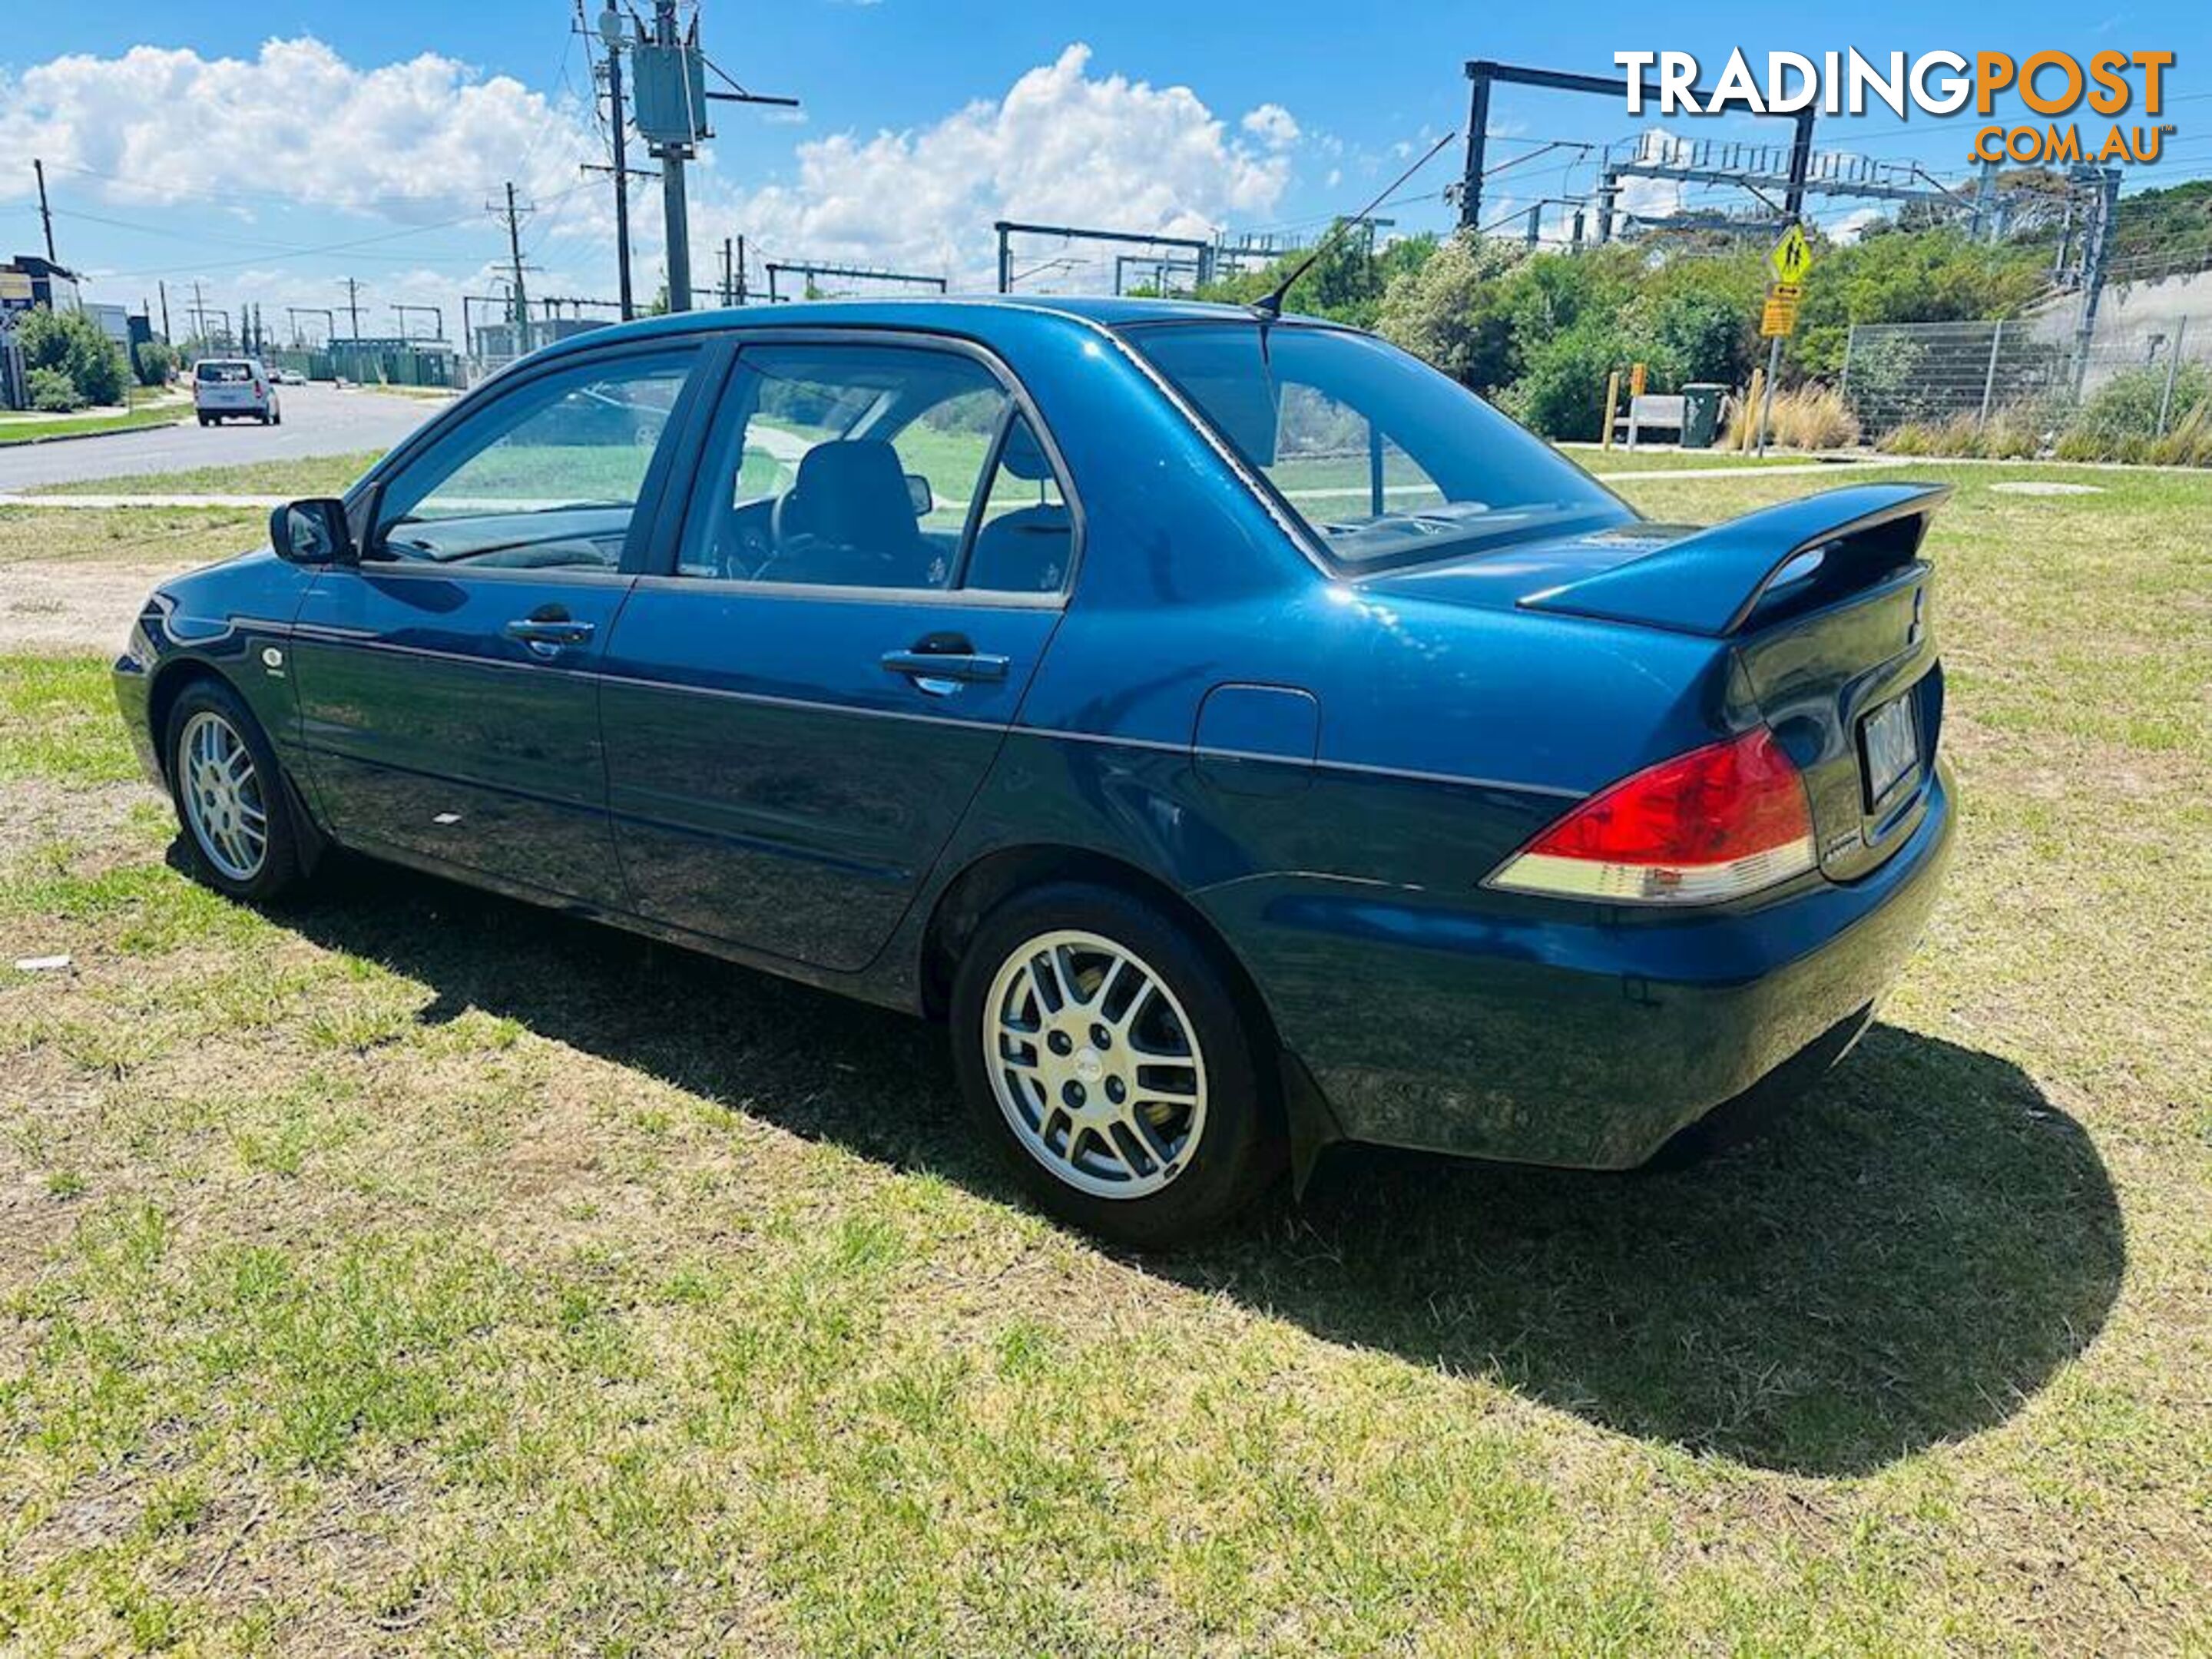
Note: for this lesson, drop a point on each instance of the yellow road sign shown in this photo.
(1780, 317)
(1791, 257)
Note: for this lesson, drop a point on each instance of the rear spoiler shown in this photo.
(1713, 581)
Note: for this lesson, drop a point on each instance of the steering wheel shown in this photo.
(751, 555)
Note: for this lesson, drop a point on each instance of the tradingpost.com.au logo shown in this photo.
(2049, 83)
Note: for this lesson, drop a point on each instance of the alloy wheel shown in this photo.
(225, 802)
(1094, 1064)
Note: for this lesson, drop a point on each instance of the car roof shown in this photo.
(982, 315)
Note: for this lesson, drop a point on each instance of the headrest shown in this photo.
(1024, 456)
(854, 492)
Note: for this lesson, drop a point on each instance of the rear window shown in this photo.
(1385, 460)
(225, 374)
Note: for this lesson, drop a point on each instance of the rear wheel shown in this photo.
(1105, 1053)
(229, 795)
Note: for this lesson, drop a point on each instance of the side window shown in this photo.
(1025, 535)
(546, 477)
(844, 466)
(1330, 460)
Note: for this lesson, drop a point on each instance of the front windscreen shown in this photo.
(1387, 461)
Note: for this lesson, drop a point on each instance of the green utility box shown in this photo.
(1701, 413)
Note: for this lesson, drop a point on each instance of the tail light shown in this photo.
(1715, 823)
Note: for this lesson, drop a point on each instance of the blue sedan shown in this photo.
(1241, 736)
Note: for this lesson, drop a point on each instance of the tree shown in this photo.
(1347, 282)
(1932, 277)
(74, 346)
(1450, 311)
(154, 360)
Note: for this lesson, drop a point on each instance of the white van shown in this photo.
(224, 386)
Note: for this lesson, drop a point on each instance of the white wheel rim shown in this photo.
(225, 804)
(1095, 1065)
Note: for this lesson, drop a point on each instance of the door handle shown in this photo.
(940, 673)
(548, 637)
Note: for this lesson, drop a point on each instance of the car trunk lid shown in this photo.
(1826, 604)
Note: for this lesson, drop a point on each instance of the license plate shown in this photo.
(1892, 748)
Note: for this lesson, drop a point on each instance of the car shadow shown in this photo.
(1905, 1260)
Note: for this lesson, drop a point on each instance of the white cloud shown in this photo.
(413, 142)
(1655, 198)
(1273, 125)
(1062, 147)
(201, 147)
(1852, 225)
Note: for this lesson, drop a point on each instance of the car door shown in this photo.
(447, 684)
(802, 701)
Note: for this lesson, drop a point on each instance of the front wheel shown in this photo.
(229, 795)
(1106, 1053)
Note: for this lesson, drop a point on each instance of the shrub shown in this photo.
(2090, 444)
(2187, 440)
(155, 363)
(1890, 382)
(2015, 433)
(1913, 438)
(54, 392)
(1561, 394)
(1812, 418)
(2127, 405)
(74, 346)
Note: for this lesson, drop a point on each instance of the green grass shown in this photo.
(31, 431)
(412, 1267)
(146, 535)
(1619, 458)
(321, 474)
(58, 723)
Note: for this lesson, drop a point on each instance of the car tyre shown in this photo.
(231, 799)
(1156, 1136)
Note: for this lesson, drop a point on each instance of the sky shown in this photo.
(268, 152)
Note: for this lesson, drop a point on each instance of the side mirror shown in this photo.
(919, 496)
(312, 532)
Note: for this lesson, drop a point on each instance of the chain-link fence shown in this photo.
(2026, 384)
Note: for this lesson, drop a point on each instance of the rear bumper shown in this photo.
(1549, 1033)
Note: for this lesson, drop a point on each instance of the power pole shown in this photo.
(673, 207)
(672, 94)
(616, 39)
(353, 305)
(166, 335)
(512, 213)
(199, 311)
(738, 291)
(2096, 250)
(45, 213)
(725, 293)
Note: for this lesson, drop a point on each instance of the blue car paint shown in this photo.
(1324, 769)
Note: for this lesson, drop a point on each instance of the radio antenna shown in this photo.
(1270, 308)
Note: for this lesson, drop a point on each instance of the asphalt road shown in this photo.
(319, 420)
